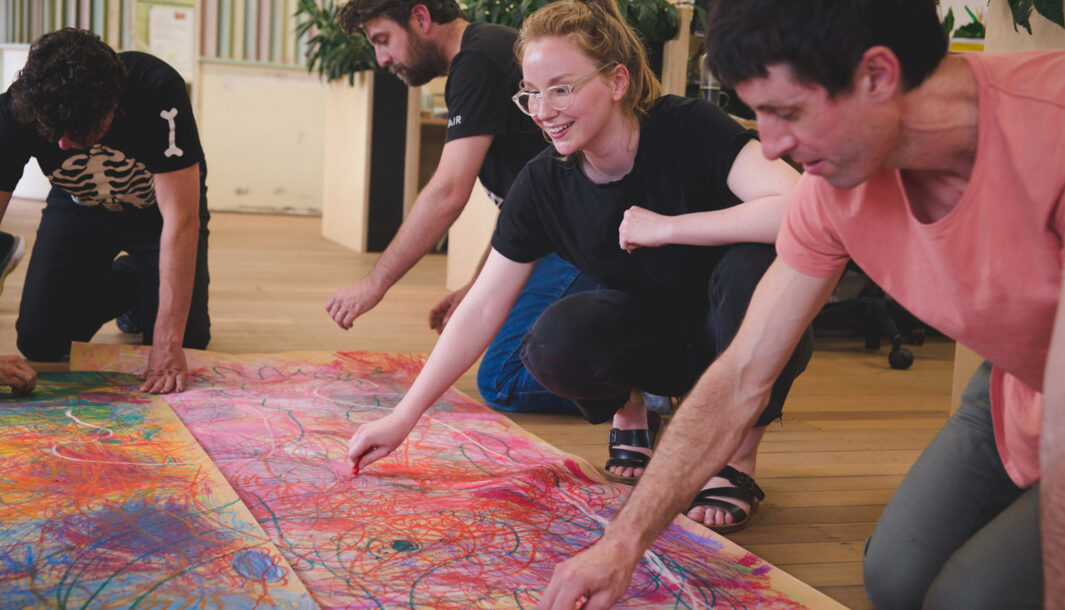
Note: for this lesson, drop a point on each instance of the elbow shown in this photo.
(183, 225)
(451, 193)
(453, 200)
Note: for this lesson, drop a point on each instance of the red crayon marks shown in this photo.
(748, 560)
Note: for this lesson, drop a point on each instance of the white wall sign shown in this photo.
(171, 37)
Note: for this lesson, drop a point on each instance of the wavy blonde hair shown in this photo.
(597, 27)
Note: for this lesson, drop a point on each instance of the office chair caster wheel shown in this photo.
(900, 358)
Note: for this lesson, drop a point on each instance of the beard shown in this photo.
(425, 63)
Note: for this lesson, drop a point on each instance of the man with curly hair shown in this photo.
(115, 135)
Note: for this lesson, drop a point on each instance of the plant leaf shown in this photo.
(331, 51)
(1021, 10)
(1052, 10)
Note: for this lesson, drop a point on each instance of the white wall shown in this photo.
(263, 135)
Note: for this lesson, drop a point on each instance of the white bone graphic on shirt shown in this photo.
(172, 150)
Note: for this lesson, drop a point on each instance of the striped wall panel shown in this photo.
(259, 31)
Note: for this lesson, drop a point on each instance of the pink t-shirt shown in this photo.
(987, 274)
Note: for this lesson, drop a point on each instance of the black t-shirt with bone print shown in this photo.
(153, 132)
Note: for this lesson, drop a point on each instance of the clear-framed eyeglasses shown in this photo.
(559, 97)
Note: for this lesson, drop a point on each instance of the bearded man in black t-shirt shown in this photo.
(488, 138)
(115, 135)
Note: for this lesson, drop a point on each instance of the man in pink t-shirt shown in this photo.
(943, 177)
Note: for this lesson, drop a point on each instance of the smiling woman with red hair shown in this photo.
(666, 203)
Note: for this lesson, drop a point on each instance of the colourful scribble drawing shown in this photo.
(471, 512)
(106, 501)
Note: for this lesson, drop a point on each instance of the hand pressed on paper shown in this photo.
(353, 300)
(642, 228)
(441, 312)
(16, 373)
(166, 370)
(377, 439)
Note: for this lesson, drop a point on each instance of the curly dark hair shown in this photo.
(70, 84)
(357, 12)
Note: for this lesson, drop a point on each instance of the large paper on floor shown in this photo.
(106, 501)
(471, 511)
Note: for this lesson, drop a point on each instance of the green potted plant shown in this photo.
(657, 21)
(332, 51)
(504, 12)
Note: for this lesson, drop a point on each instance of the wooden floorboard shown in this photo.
(852, 425)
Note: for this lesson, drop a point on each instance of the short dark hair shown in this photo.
(357, 12)
(71, 81)
(822, 40)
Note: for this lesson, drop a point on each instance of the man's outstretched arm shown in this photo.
(704, 433)
(433, 212)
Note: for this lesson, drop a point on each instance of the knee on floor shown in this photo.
(493, 387)
(892, 582)
(40, 347)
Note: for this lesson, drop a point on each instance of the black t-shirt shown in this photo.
(686, 150)
(484, 74)
(153, 132)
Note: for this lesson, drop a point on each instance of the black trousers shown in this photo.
(595, 347)
(71, 289)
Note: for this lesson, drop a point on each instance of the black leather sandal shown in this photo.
(627, 458)
(745, 490)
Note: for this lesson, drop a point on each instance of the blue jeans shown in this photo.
(502, 379)
(958, 533)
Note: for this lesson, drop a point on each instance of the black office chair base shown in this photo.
(877, 316)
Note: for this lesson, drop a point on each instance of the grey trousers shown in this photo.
(958, 533)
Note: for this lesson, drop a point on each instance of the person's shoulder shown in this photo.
(1036, 75)
(148, 71)
(681, 117)
(546, 170)
(137, 62)
(670, 107)
(10, 126)
(487, 43)
(6, 114)
(674, 103)
(489, 35)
